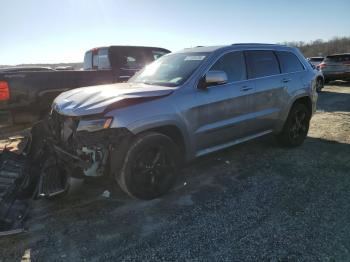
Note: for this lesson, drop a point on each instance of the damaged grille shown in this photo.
(63, 127)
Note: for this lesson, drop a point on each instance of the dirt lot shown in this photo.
(254, 202)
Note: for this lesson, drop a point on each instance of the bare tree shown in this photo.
(320, 47)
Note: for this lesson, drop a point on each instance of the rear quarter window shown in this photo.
(261, 63)
(289, 62)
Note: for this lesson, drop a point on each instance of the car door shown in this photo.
(268, 98)
(225, 109)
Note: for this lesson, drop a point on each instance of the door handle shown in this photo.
(286, 80)
(246, 88)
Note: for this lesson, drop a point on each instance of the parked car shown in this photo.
(26, 95)
(319, 78)
(336, 67)
(182, 106)
(316, 60)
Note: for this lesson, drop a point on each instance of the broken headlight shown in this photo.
(92, 125)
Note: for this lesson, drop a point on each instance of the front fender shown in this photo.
(155, 122)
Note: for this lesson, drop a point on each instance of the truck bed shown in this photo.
(32, 93)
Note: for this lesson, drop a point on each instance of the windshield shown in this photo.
(170, 70)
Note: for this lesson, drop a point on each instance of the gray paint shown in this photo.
(209, 119)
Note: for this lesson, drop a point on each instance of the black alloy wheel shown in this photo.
(150, 166)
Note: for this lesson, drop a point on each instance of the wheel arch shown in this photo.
(302, 98)
(169, 129)
(305, 100)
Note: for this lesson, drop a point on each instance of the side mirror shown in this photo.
(213, 77)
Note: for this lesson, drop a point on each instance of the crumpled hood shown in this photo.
(95, 99)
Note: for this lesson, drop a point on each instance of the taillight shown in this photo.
(4, 91)
(95, 51)
(322, 65)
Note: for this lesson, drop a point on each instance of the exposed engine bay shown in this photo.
(57, 154)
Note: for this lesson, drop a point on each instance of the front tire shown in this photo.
(296, 127)
(150, 166)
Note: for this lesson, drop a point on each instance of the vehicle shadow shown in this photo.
(338, 83)
(83, 224)
(331, 101)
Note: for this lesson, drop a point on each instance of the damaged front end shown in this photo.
(61, 151)
(72, 147)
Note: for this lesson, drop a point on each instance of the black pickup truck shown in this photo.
(26, 95)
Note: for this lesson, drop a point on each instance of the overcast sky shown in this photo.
(34, 31)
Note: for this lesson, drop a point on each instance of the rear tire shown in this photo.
(150, 166)
(296, 127)
(319, 84)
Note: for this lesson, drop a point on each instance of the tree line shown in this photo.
(320, 47)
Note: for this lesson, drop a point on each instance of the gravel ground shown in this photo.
(253, 202)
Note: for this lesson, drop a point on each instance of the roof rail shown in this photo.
(251, 44)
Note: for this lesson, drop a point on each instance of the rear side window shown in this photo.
(289, 62)
(135, 58)
(261, 63)
(103, 59)
(233, 65)
(133, 61)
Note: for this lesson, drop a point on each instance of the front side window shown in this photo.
(233, 65)
(289, 62)
(261, 63)
(170, 70)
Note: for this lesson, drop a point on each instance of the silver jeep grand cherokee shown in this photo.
(182, 106)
